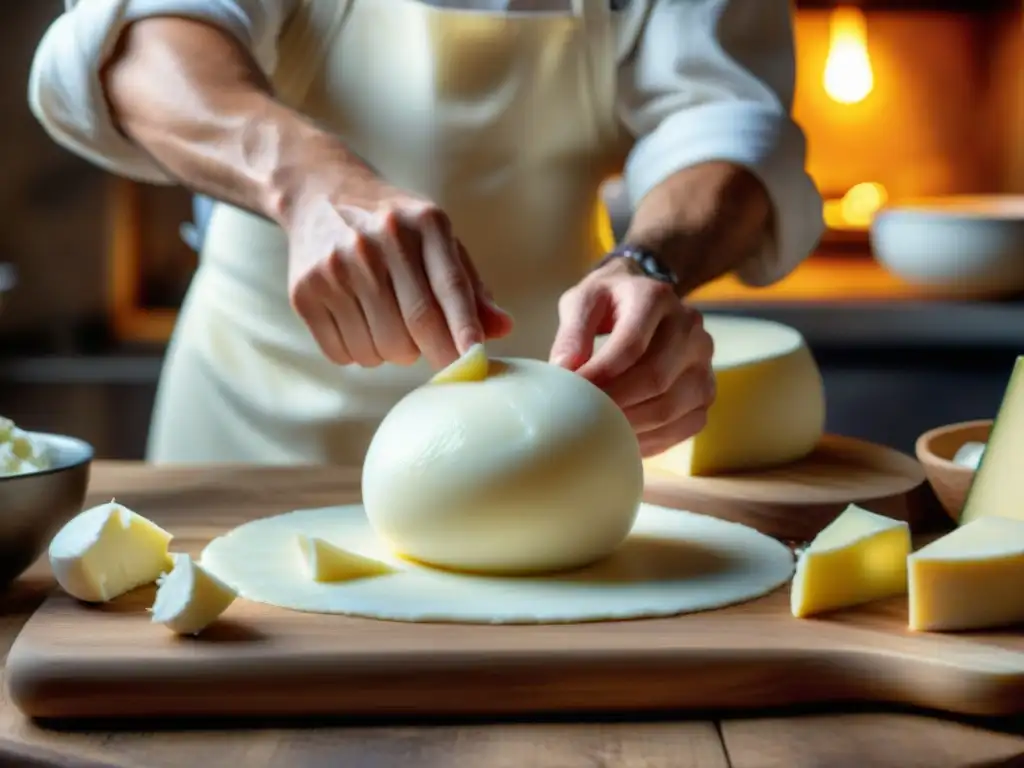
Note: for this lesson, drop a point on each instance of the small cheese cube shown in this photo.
(859, 557)
(972, 578)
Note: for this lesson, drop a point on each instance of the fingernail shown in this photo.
(492, 304)
(565, 360)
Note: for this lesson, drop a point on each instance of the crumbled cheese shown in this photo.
(20, 452)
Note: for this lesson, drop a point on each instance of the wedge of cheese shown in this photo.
(971, 578)
(472, 366)
(998, 487)
(770, 406)
(858, 558)
(326, 562)
(106, 551)
(190, 598)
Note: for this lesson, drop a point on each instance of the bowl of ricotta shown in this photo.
(43, 482)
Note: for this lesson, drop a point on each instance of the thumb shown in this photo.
(581, 314)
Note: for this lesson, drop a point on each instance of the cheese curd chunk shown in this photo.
(770, 406)
(106, 551)
(531, 469)
(20, 452)
(970, 578)
(857, 558)
(190, 598)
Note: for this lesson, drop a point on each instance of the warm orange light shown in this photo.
(848, 78)
(857, 207)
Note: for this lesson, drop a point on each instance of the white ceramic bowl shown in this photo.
(960, 244)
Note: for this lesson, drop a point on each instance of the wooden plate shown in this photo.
(796, 501)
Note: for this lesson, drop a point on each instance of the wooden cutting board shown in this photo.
(73, 661)
(796, 501)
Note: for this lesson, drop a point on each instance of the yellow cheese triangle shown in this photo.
(998, 487)
(327, 562)
(970, 578)
(859, 557)
(472, 366)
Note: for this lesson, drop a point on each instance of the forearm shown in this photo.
(704, 221)
(193, 98)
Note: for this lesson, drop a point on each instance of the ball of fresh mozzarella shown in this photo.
(531, 469)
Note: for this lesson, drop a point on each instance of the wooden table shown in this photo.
(861, 740)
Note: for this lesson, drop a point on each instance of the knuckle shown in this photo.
(632, 346)
(705, 345)
(454, 281)
(663, 410)
(568, 301)
(660, 379)
(361, 245)
(424, 317)
(711, 388)
(428, 214)
(389, 221)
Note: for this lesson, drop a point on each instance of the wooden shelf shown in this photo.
(831, 279)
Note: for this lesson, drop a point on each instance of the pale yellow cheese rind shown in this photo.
(190, 598)
(858, 558)
(770, 404)
(971, 578)
(473, 365)
(328, 563)
(998, 487)
(106, 551)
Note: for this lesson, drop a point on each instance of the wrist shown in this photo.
(703, 221)
(301, 162)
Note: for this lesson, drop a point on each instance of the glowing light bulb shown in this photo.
(848, 77)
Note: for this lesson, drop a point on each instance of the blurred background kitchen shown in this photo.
(915, 313)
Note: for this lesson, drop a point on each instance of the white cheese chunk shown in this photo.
(106, 551)
(190, 598)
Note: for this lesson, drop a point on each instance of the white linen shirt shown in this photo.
(705, 80)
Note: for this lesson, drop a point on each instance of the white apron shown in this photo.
(506, 121)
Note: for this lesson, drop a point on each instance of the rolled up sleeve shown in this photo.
(713, 80)
(65, 88)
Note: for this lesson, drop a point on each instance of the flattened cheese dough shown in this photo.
(672, 562)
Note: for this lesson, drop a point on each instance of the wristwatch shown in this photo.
(649, 262)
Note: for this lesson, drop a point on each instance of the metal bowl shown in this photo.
(35, 505)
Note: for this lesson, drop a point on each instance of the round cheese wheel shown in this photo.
(770, 406)
(532, 469)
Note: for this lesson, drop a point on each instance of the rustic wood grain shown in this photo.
(796, 501)
(110, 661)
(833, 741)
(863, 740)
